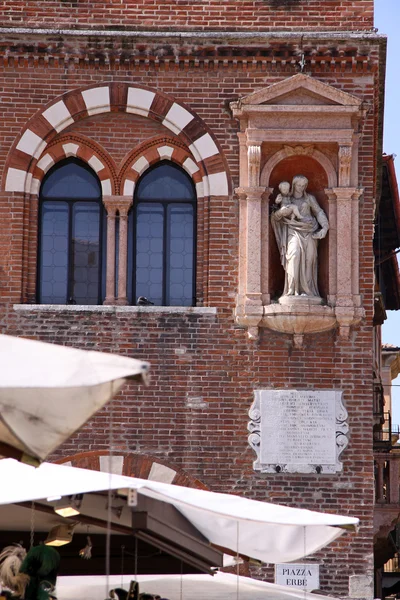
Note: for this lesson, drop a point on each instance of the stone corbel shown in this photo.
(345, 161)
(121, 205)
(254, 162)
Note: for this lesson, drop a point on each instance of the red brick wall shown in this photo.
(206, 356)
(261, 15)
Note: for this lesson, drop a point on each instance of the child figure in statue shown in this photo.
(285, 199)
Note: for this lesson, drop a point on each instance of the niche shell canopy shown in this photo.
(47, 392)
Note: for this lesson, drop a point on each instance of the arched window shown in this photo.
(70, 235)
(162, 237)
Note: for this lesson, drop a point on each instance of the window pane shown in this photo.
(54, 253)
(85, 252)
(165, 182)
(180, 219)
(149, 252)
(71, 180)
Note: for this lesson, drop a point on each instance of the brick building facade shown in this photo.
(121, 88)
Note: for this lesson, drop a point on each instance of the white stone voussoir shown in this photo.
(165, 152)
(139, 101)
(218, 184)
(70, 149)
(97, 100)
(161, 473)
(45, 163)
(204, 147)
(31, 144)
(58, 116)
(129, 187)
(190, 166)
(177, 118)
(140, 165)
(15, 180)
(96, 164)
(106, 187)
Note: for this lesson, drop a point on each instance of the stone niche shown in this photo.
(299, 126)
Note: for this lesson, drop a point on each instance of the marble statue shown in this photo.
(298, 224)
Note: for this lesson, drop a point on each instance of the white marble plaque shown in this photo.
(298, 431)
(305, 577)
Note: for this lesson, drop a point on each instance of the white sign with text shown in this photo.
(305, 577)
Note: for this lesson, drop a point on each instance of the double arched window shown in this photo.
(72, 237)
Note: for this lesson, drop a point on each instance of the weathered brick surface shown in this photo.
(199, 356)
(234, 15)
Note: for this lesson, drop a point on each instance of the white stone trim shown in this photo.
(204, 147)
(15, 180)
(177, 118)
(95, 163)
(111, 464)
(165, 152)
(97, 100)
(90, 308)
(200, 189)
(139, 101)
(141, 165)
(31, 144)
(58, 116)
(45, 163)
(129, 187)
(190, 166)
(106, 187)
(70, 149)
(35, 186)
(206, 185)
(161, 473)
(218, 184)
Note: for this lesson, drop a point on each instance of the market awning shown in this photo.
(47, 392)
(221, 586)
(267, 532)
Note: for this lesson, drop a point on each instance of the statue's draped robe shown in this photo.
(297, 248)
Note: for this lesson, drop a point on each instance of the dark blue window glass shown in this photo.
(162, 238)
(71, 223)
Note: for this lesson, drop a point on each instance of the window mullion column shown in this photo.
(114, 204)
(126, 203)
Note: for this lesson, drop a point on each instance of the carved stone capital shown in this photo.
(344, 193)
(253, 192)
(116, 203)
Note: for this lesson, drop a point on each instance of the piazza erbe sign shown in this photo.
(305, 577)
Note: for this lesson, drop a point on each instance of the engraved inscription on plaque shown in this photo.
(298, 431)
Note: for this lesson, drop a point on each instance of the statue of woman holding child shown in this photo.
(298, 224)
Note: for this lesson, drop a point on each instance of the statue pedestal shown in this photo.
(300, 300)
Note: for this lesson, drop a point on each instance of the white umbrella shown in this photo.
(221, 586)
(47, 392)
(268, 532)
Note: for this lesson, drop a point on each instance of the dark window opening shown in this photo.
(71, 236)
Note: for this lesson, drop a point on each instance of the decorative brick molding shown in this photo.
(153, 151)
(114, 97)
(78, 146)
(142, 466)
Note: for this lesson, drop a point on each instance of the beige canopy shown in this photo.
(47, 392)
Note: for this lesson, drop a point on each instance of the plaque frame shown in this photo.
(341, 437)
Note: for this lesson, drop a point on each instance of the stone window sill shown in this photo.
(197, 310)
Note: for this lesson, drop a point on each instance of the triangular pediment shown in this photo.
(301, 90)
